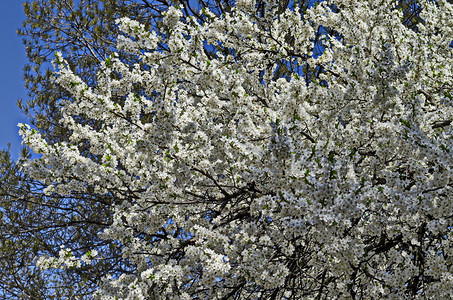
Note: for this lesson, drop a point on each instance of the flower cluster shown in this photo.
(233, 178)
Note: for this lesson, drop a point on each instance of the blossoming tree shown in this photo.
(231, 181)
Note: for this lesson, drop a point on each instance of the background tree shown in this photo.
(32, 224)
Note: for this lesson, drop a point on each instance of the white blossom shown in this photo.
(234, 182)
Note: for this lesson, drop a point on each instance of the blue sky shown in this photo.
(12, 60)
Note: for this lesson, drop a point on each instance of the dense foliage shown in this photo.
(227, 177)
